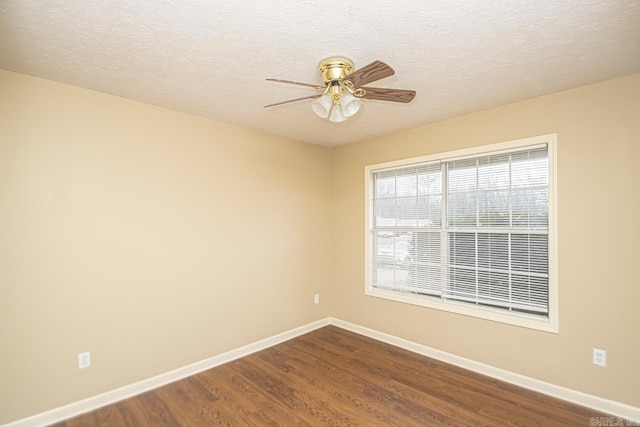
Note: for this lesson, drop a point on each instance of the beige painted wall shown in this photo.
(154, 239)
(598, 131)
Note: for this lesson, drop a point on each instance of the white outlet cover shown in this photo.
(599, 357)
(84, 360)
(316, 299)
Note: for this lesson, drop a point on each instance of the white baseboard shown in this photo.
(594, 402)
(95, 402)
(64, 412)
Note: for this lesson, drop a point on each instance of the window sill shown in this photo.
(487, 313)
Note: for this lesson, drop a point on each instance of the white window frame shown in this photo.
(548, 324)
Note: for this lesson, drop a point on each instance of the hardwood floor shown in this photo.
(332, 377)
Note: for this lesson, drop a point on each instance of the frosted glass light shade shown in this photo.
(322, 106)
(350, 104)
(337, 115)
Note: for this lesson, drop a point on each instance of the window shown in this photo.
(470, 231)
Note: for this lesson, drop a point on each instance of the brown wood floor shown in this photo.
(332, 377)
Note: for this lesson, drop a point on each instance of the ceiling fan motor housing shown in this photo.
(335, 68)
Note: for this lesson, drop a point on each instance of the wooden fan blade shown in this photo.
(293, 100)
(375, 71)
(387, 94)
(297, 83)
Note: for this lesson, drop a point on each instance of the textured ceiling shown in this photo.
(210, 58)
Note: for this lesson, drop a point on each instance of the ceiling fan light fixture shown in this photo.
(322, 106)
(337, 115)
(343, 90)
(350, 104)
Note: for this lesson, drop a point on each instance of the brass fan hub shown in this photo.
(335, 68)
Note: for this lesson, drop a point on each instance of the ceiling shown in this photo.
(211, 58)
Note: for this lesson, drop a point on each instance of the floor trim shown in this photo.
(95, 402)
(594, 402)
(64, 412)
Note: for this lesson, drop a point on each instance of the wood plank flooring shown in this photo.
(332, 377)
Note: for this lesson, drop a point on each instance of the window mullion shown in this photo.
(444, 237)
(510, 274)
(477, 199)
(509, 261)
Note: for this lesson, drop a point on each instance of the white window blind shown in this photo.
(473, 230)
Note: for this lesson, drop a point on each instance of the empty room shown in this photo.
(408, 213)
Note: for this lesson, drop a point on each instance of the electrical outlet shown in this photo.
(84, 360)
(599, 357)
(316, 299)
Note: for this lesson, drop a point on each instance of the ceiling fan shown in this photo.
(343, 89)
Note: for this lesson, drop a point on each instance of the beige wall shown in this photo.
(598, 131)
(154, 239)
